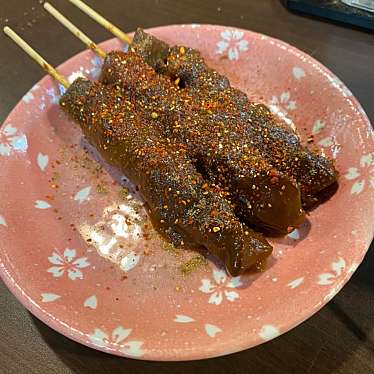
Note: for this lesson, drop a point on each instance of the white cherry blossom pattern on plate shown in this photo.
(28, 97)
(295, 234)
(269, 332)
(328, 142)
(337, 267)
(95, 71)
(54, 95)
(12, 140)
(181, 318)
(118, 338)
(282, 106)
(91, 302)
(232, 43)
(318, 126)
(363, 175)
(3, 221)
(67, 262)
(221, 288)
(42, 161)
(83, 195)
(49, 297)
(41, 204)
(337, 280)
(210, 329)
(296, 283)
(298, 72)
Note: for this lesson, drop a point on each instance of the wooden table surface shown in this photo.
(338, 339)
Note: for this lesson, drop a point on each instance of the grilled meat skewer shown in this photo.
(181, 204)
(266, 198)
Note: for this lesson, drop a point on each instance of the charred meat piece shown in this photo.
(181, 204)
(315, 174)
(267, 199)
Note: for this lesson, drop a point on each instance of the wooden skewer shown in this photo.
(74, 29)
(36, 57)
(102, 21)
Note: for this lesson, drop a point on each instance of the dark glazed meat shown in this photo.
(265, 197)
(182, 205)
(315, 174)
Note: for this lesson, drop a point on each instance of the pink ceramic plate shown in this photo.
(78, 252)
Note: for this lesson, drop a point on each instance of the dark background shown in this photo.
(338, 339)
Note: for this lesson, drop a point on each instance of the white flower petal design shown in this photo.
(180, 318)
(338, 266)
(274, 100)
(291, 105)
(222, 46)
(57, 271)
(81, 263)
(242, 45)
(207, 286)
(215, 298)
(352, 173)
(40, 204)
(269, 332)
(285, 97)
(42, 161)
(219, 276)
(237, 35)
(83, 195)
(28, 97)
(3, 221)
(9, 130)
(298, 72)
(56, 259)
(118, 338)
(74, 274)
(231, 295)
(227, 35)
(19, 143)
(99, 337)
(362, 176)
(233, 43)
(69, 254)
(296, 283)
(326, 142)
(212, 330)
(318, 127)
(221, 288)
(120, 334)
(234, 282)
(366, 160)
(357, 187)
(281, 106)
(67, 262)
(133, 348)
(5, 149)
(295, 234)
(91, 302)
(325, 278)
(129, 261)
(49, 297)
(14, 141)
(233, 54)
